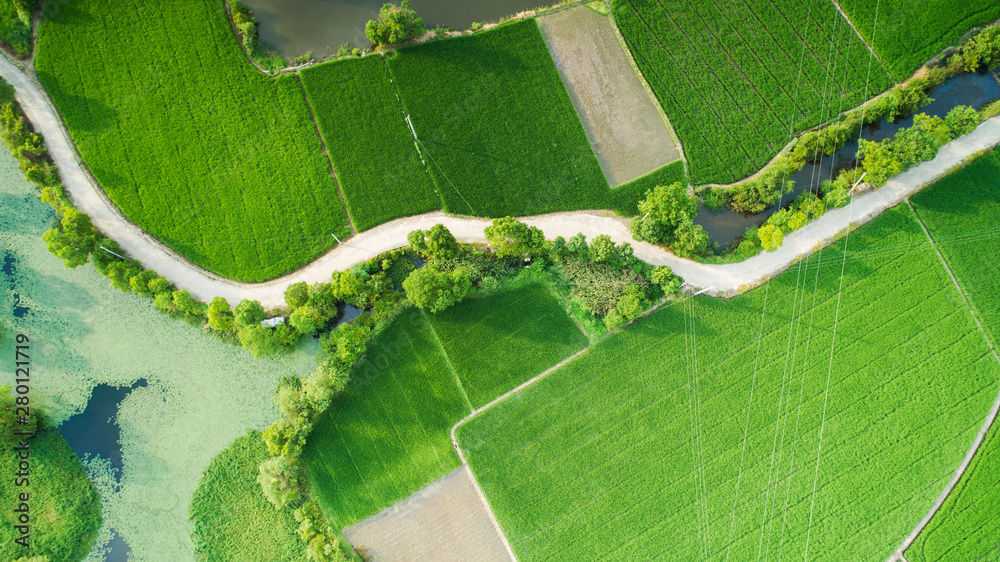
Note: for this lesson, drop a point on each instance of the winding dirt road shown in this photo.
(727, 279)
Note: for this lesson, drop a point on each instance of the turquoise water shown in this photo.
(200, 392)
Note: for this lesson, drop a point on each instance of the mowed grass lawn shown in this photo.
(907, 33)
(197, 147)
(364, 128)
(494, 341)
(962, 212)
(500, 130)
(601, 459)
(389, 434)
(737, 78)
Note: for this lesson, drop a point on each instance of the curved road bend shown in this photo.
(726, 278)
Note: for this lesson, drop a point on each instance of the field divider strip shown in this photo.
(329, 157)
(899, 553)
(447, 360)
(863, 40)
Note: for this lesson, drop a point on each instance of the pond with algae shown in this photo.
(88, 338)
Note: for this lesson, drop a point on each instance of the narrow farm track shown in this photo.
(726, 279)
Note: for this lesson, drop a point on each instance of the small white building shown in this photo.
(272, 322)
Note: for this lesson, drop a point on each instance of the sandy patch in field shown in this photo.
(444, 521)
(622, 123)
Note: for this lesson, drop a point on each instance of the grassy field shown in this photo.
(197, 147)
(736, 78)
(388, 435)
(371, 146)
(500, 130)
(625, 198)
(907, 33)
(232, 518)
(65, 508)
(613, 453)
(494, 341)
(961, 212)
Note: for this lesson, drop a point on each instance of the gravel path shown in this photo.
(726, 278)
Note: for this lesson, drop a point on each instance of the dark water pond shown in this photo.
(320, 26)
(9, 270)
(95, 432)
(972, 89)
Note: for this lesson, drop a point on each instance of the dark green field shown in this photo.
(196, 146)
(621, 456)
(737, 78)
(494, 341)
(232, 518)
(962, 213)
(371, 146)
(909, 33)
(500, 130)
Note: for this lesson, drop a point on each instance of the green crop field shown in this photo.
(961, 212)
(197, 147)
(499, 128)
(616, 452)
(494, 341)
(388, 435)
(371, 146)
(232, 518)
(737, 78)
(908, 33)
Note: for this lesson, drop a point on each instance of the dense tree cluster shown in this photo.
(666, 218)
(395, 24)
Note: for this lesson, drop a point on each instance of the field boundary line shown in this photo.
(326, 151)
(447, 359)
(858, 33)
(899, 553)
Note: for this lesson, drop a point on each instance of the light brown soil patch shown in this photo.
(625, 129)
(445, 521)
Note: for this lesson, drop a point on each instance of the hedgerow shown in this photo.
(187, 138)
(598, 458)
(908, 33)
(737, 82)
(365, 131)
(15, 25)
(496, 125)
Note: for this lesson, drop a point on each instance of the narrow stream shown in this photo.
(320, 26)
(971, 89)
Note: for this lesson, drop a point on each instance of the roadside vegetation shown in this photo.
(15, 25)
(736, 83)
(359, 115)
(642, 437)
(908, 34)
(961, 213)
(63, 507)
(205, 153)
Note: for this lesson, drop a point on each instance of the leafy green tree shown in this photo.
(145, 283)
(307, 319)
(248, 313)
(880, 162)
(346, 343)
(689, 240)
(432, 289)
(511, 237)
(120, 273)
(748, 249)
(663, 210)
(6, 92)
(395, 24)
(74, 242)
(961, 120)
(220, 316)
(770, 237)
(279, 479)
(983, 49)
(663, 276)
(184, 302)
(297, 294)
(602, 250)
(347, 286)
(436, 244)
(258, 340)
(577, 246)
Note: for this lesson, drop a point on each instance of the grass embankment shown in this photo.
(614, 452)
(64, 506)
(197, 147)
(910, 33)
(232, 518)
(961, 213)
(388, 434)
(500, 130)
(736, 80)
(371, 146)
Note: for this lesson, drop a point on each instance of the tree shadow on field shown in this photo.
(475, 57)
(65, 12)
(81, 113)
